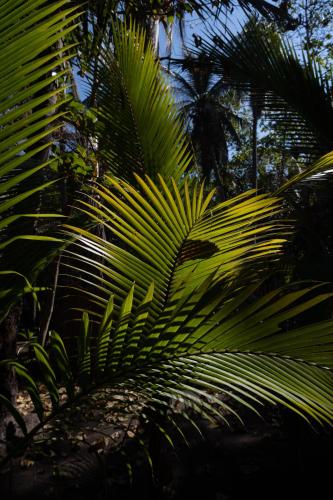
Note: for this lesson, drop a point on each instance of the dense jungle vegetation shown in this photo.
(166, 248)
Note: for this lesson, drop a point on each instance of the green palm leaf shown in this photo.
(294, 92)
(203, 326)
(174, 285)
(318, 171)
(174, 239)
(232, 347)
(138, 130)
(31, 80)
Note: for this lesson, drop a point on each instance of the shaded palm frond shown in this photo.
(138, 129)
(278, 13)
(294, 93)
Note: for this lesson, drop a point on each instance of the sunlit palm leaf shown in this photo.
(194, 354)
(171, 236)
(204, 326)
(175, 288)
(320, 170)
(30, 83)
(196, 323)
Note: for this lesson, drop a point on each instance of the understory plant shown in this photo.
(177, 302)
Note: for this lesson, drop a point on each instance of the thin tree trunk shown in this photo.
(155, 35)
(50, 306)
(281, 167)
(220, 190)
(307, 29)
(254, 166)
(152, 27)
(8, 383)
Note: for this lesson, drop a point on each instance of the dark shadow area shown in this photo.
(276, 458)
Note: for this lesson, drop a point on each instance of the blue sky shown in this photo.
(192, 25)
(195, 25)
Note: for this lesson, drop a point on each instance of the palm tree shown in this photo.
(177, 309)
(209, 107)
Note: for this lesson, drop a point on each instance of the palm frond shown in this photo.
(30, 83)
(138, 129)
(181, 314)
(192, 266)
(174, 283)
(170, 235)
(196, 351)
(320, 170)
(292, 91)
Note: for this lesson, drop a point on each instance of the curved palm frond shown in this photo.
(138, 129)
(192, 325)
(174, 288)
(320, 170)
(29, 100)
(203, 322)
(293, 92)
(166, 235)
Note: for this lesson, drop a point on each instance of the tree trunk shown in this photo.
(8, 383)
(155, 35)
(219, 185)
(254, 166)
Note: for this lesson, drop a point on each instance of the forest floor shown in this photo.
(94, 453)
